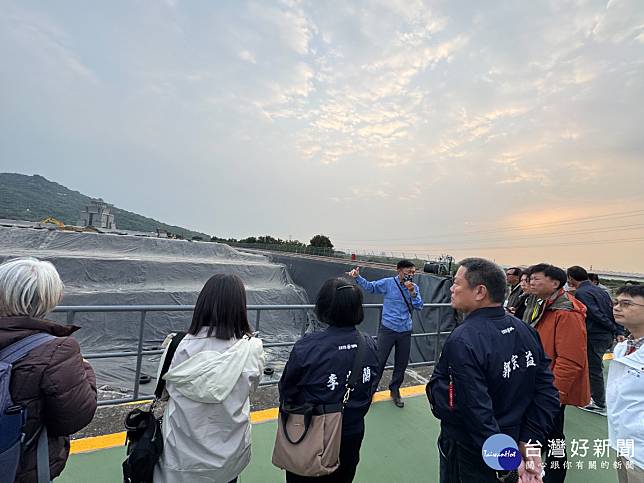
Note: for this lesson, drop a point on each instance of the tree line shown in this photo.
(318, 241)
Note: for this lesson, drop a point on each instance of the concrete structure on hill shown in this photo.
(98, 214)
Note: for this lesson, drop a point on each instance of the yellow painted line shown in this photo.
(263, 415)
(105, 441)
(144, 401)
(404, 392)
(97, 442)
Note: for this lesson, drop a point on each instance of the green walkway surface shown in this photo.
(399, 447)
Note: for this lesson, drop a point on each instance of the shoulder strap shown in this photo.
(20, 349)
(356, 370)
(409, 307)
(42, 457)
(12, 354)
(158, 392)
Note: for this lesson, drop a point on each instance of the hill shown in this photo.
(33, 198)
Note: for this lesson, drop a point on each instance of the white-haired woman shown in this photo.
(53, 381)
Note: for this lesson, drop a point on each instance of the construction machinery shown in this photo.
(61, 226)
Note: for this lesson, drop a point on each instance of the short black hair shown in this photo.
(404, 263)
(339, 303)
(484, 272)
(516, 271)
(593, 277)
(578, 273)
(632, 290)
(550, 271)
(221, 306)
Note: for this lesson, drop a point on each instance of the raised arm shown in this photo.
(379, 286)
(417, 301)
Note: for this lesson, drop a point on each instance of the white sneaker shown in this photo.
(594, 408)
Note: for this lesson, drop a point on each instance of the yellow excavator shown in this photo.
(61, 226)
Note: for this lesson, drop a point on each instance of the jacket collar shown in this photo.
(28, 324)
(349, 328)
(558, 301)
(635, 360)
(486, 312)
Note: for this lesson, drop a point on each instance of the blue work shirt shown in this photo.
(395, 314)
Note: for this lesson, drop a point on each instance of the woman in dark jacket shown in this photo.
(53, 381)
(318, 368)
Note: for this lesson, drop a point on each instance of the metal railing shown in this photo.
(343, 253)
(143, 310)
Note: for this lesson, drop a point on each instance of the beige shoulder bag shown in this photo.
(308, 436)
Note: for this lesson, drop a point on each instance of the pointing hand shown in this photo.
(354, 273)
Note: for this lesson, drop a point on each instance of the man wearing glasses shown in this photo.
(560, 320)
(514, 277)
(401, 298)
(625, 387)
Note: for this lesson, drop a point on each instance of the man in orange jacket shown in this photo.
(560, 320)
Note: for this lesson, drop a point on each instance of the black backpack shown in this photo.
(144, 439)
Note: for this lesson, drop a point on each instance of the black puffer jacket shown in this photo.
(57, 386)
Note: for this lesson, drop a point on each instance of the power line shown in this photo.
(544, 235)
(417, 249)
(572, 221)
(584, 243)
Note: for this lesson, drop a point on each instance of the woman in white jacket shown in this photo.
(206, 423)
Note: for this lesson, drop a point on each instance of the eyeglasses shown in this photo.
(624, 304)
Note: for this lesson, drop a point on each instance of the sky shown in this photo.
(508, 130)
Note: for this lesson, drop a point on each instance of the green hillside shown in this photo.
(34, 198)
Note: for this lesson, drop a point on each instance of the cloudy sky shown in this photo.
(511, 130)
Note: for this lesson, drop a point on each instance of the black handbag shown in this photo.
(144, 439)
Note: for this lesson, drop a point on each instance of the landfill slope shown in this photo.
(103, 269)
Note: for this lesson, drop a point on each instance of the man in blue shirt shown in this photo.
(401, 298)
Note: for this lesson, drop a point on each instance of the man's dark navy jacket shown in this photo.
(599, 310)
(318, 368)
(501, 378)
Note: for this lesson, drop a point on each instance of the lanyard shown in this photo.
(535, 311)
(409, 306)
